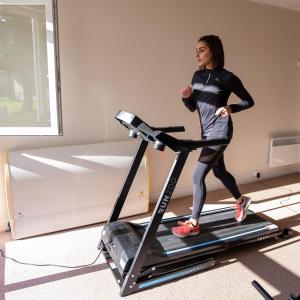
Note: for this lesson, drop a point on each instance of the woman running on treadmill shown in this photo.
(211, 87)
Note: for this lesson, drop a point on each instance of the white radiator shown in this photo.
(284, 151)
(63, 187)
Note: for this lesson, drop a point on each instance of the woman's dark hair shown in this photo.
(216, 48)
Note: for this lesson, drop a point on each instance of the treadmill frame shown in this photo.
(133, 280)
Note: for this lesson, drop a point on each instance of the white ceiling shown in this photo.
(288, 4)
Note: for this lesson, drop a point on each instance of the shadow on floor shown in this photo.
(252, 257)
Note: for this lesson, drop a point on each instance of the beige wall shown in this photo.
(135, 55)
(298, 76)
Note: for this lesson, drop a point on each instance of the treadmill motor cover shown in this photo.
(122, 242)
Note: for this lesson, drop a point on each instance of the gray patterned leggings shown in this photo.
(210, 158)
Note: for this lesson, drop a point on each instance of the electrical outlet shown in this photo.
(256, 174)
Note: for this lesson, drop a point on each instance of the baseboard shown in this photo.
(211, 185)
(267, 174)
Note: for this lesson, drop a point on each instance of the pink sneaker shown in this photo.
(186, 229)
(241, 209)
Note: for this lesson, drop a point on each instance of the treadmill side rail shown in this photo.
(201, 266)
(148, 237)
(128, 182)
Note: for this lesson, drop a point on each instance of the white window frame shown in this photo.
(53, 72)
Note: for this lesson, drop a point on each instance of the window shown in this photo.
(29, 70)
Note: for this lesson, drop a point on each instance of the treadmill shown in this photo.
(144, 255)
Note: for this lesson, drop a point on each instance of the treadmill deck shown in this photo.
(217, 228)
(219, 231)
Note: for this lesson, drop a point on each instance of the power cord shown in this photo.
(50, 265)
(284, 200)
(53, 265)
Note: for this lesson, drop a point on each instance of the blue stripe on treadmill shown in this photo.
(170, 277)
(218, 241)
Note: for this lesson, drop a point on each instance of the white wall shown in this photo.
(298, 79)
(135, 55)
(298, 76)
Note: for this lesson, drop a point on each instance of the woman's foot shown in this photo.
(182, 222)
(241, 208)
(187, 228)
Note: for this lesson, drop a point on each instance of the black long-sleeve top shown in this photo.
(211, 90)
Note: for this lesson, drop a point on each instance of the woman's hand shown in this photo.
(223, 111)
(186, 92)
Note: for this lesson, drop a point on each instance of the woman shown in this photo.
(211, 87)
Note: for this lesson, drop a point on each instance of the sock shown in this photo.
(243, 199)
(193, 224)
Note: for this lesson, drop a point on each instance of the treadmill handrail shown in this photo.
(210, 142)
(170, 129)
(152, 134)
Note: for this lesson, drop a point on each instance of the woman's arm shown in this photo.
(246, 101)
(187, 96)
(189, 101)
(190, 104)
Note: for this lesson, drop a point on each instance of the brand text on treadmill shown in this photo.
(167, 195)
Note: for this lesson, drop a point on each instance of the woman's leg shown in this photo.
(199, 189)
(226, 178)
(206, 161)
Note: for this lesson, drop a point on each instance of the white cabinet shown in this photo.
(64, 187)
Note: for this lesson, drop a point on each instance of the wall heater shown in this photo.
(284, 151)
